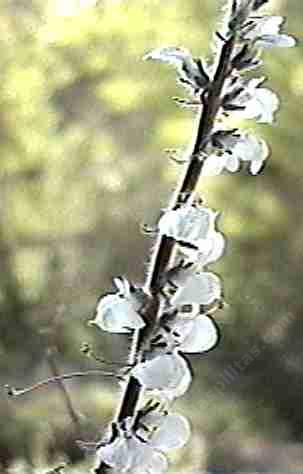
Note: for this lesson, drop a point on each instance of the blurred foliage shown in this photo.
(84, 124)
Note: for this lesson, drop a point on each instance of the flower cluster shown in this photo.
(241, 97)
(140, 443)
(188, 292)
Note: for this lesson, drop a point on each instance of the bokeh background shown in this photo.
(83, 128)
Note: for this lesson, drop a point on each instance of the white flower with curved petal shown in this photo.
(119, 312)
(265, 32)
(209, 250)
(199, 334)
(253, 149)
(157, 464)
(172, 55)
(188, 223)
(259, 103)
(183, 61)
(167, 431)
(256, 102)
(128, 454)
(262, 106)
(167, 375)
(117, 454)
(215, 164)
(186, 334)
(206, 251)
(275, 41)
(195, 226)
(118, 315)
(265, 25)
(201, 288)
(247, 148)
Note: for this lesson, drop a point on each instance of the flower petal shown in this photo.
(116, 454)
(169, 54)
(216, 250)
(251, 148)
(188, 223)
(266, 25)
(172, 433)
(273, 41)
(232, 163)
(208, 250)
(157, 464)
(203, 336)
(117, 314)
(193, 75)
(256, 166)
(262, 106)
(202, 288)
(166, 374)
(213, 165)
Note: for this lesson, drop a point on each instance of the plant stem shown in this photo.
(164, 249)
(64, 392)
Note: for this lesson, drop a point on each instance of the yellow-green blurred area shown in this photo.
(84, 123)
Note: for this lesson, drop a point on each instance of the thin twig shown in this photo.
(15, 392)
(64, 392)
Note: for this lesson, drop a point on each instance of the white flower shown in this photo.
(201, 288)
(118, 454)
(253, 149)
(265, 32)
(182, 60)
(198, 334)
(248, 148)
(187, 334)
(190, 286)
(215, 164)
(165, 431)
(187, 223)
(262, 106)
(167, 375)
(128, 454)
(209, 250)
(119, 312)
(139, 448)
(194, 228)
(258, 102)
(272, 41)
(172, 55)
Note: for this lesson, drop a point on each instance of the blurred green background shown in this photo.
(83, 128)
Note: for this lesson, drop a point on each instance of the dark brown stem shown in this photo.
(165, 245)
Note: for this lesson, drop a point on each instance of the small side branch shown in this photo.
(16, 392)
